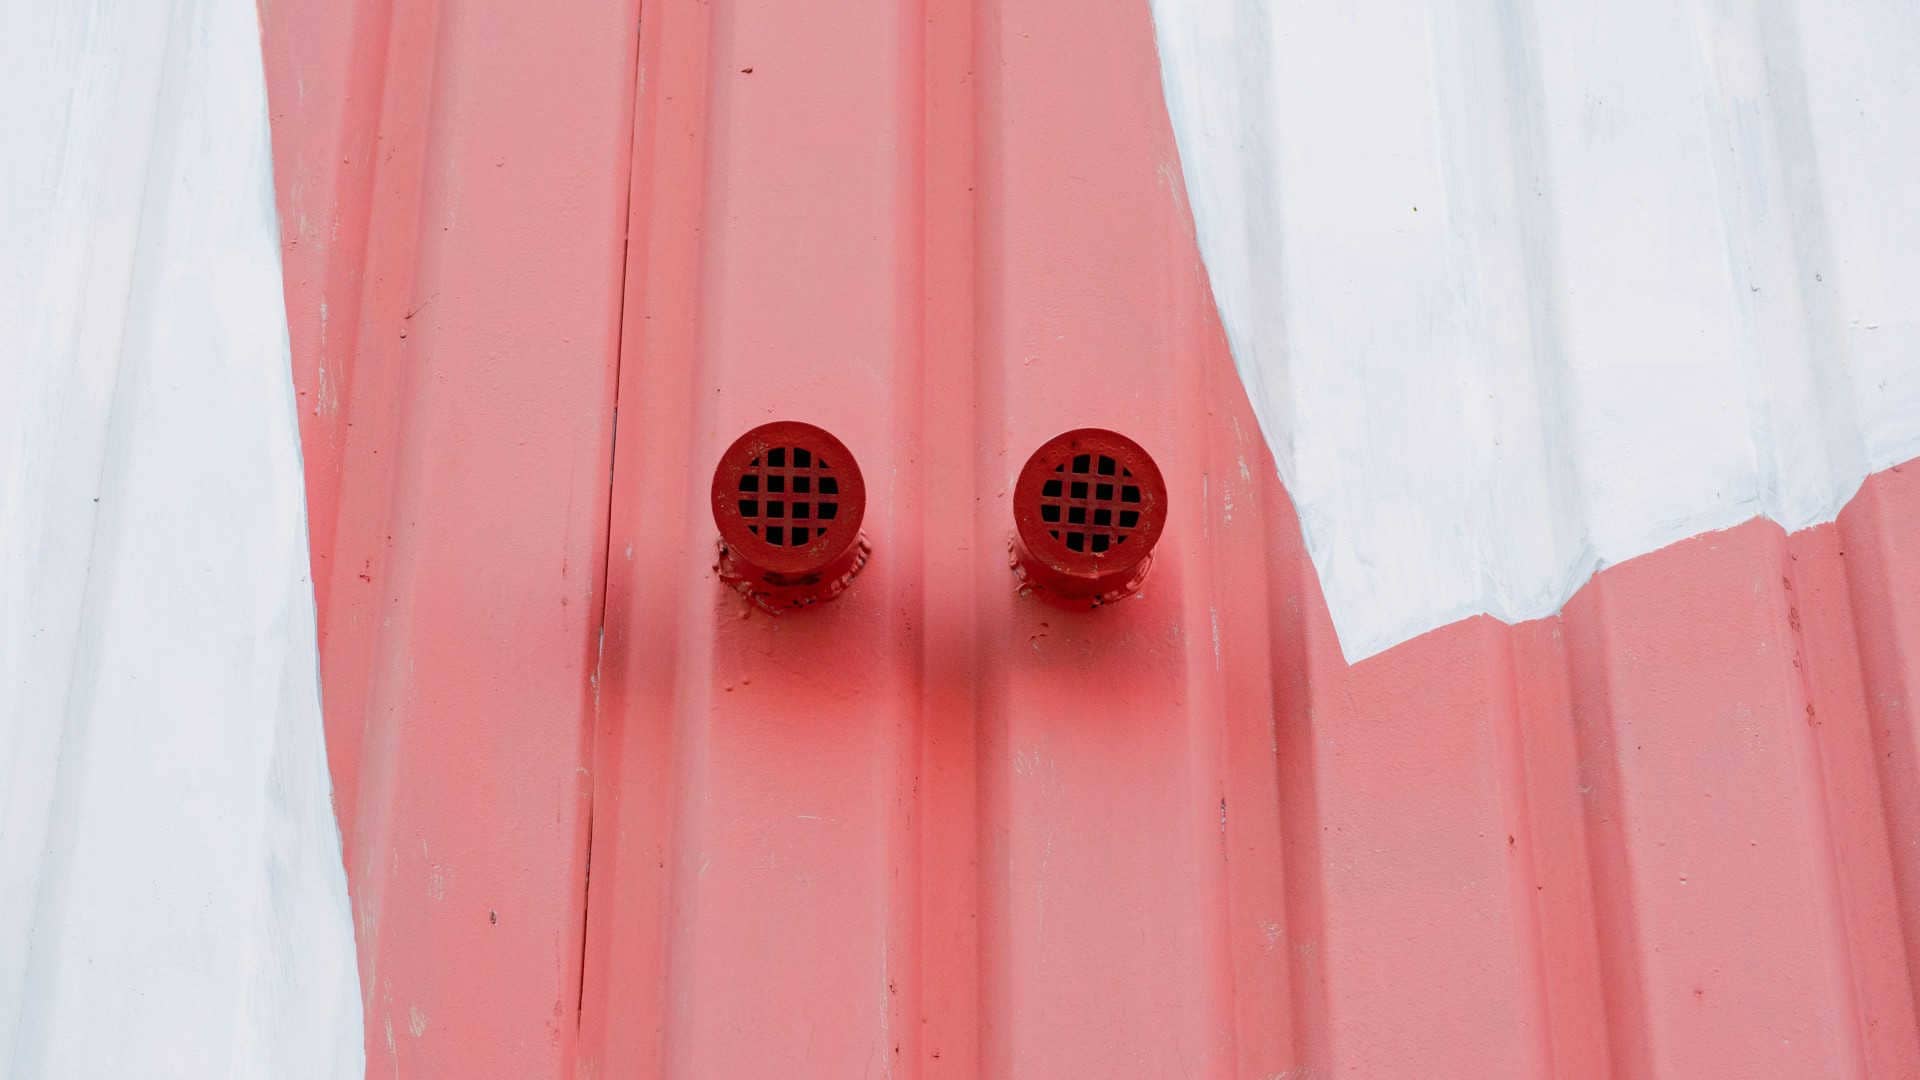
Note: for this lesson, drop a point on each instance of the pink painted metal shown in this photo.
(452, 184)
(936, 828)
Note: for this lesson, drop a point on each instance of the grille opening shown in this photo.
(791, 472)
(1098, 508)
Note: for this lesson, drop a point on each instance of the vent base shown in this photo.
(776, 593)
(1074, 592)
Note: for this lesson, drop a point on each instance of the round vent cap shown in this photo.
(1089, 505)
(788, 498)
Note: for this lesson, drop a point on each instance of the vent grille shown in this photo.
(789, 496)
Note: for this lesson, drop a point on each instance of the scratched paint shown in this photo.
(1519, 292)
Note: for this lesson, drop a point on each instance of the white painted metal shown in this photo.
(1519, 291)
(172, 900)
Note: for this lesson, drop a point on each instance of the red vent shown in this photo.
(788, 499)
(1089, 506)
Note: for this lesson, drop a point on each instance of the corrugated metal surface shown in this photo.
(452, 186)
(935, 829)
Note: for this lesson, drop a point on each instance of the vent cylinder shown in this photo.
(788, 499)
(1087, 509)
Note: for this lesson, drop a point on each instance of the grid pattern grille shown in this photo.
(789, 497)
(1092, 505)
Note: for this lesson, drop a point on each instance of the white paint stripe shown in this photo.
(1519, 291)
(172, 899)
